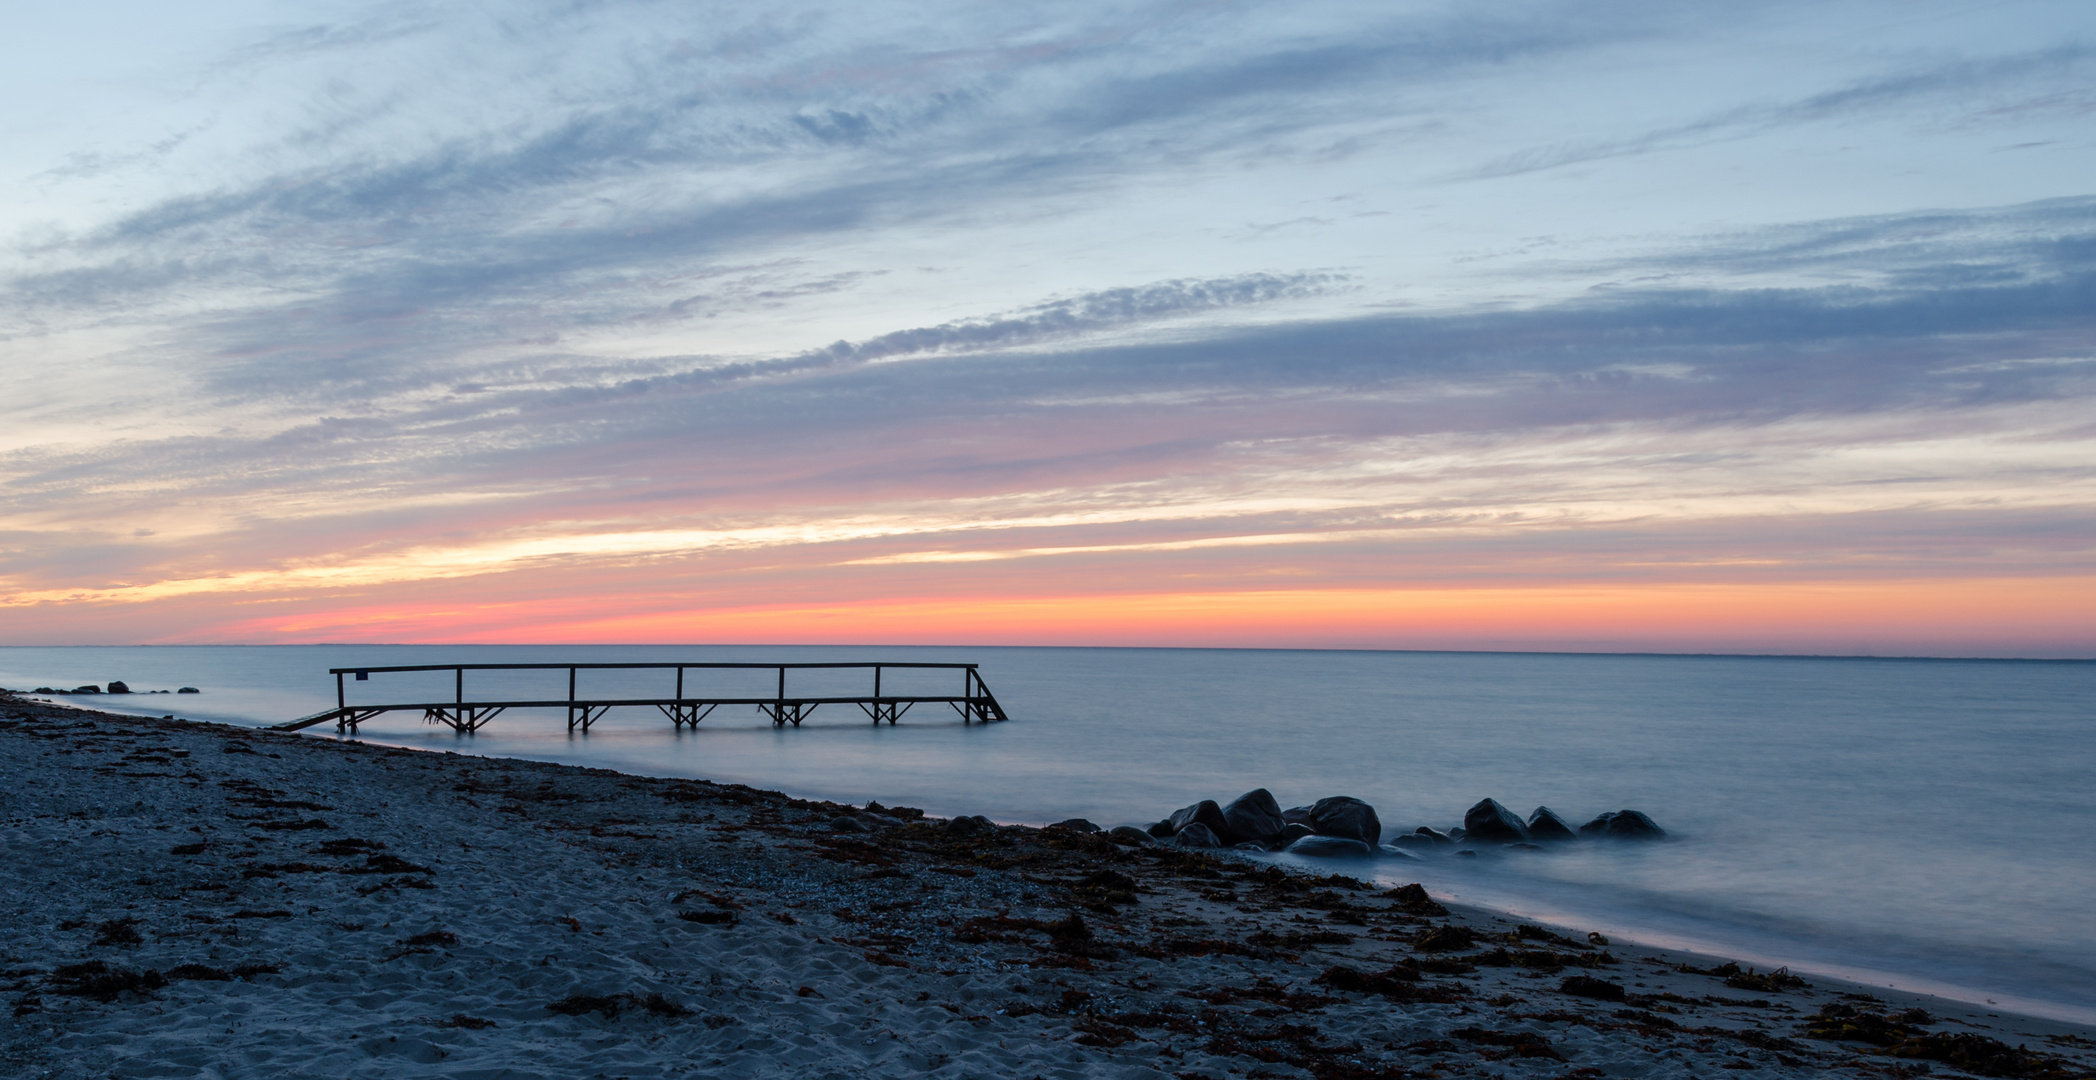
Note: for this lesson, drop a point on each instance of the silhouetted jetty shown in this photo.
(974, 702)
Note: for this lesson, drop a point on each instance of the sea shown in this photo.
(1922, 824)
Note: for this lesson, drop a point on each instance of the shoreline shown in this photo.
(428, 913)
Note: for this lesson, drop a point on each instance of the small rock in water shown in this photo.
(1437, 838)
(1490, 823)
(1197, 835)
(1076, 824)
(189, 690)
(1544, 824)
(1205, 812)
(1624, 825)
(1347, 817)
(1389, 851)
(90, 688)
(1298, 815)
(119, 687)
(1128, 834)
(1330, 847)
(1254, 816)
(1292, 832)
(1455, 835)
(1412, 842)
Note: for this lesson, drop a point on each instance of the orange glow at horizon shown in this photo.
(1888, 616)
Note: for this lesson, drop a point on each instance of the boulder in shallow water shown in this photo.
(1346, 817)
(1455, 835)
(1544, 824)
(120, 687)
(189, 690)
(1197, 835)
(1128, 835)
(1161, 830)
(1624, 825)
(1330, 847)
(1412, 842)
(1292, 832)
(1254, 816)
(1298, 815)
(1205, 812)
(90, 688)
(1490, 823)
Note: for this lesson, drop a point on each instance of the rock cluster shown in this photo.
(116, 687)
(1342, 826)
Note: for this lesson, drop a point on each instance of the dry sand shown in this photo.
(191, 899)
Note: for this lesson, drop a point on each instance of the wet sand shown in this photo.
(193, 899)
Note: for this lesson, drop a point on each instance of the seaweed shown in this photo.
(1399, 983)
(1775, 982)
(1414, 900)
(578, 1004)
(1525, 1044)
(1898, 1035)
(1587, 986)
(95, 979)
(1445, 939)
(122, 931)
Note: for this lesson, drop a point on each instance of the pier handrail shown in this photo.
(975, 702)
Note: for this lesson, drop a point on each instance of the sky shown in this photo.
(1753, 327)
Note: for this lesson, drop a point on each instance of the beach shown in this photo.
(195, 899)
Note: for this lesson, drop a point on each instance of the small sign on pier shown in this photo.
(685, 704)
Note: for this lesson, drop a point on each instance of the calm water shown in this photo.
(1924, 824)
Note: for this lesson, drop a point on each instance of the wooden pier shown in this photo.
(975, 703)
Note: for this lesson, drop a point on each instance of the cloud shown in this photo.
(1958, 82)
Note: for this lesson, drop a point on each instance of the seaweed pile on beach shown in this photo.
(196, 899)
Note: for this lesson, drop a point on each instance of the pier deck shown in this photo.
(975, 703)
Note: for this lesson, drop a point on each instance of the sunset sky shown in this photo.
(1715, 327)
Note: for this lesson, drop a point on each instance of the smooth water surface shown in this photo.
(1913, 822)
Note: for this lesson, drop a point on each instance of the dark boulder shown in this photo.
(1426, 832)
(1455, 835)
(1330, 847)
(1346, 817)
(1162, 830)
(1254, 816)
(848, 824)
(119, 687)
(1544, 824)
(1197, 835)
(1298, 815)
(1490, 823)
(1205, 812)
(1076, 824)
(972, 825)
(90, 688)
(189, 690)
(1128, 835)
(1624, 825)
(1292, 832)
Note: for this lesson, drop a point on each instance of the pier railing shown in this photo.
(975, 703)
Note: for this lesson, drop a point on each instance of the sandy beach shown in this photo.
(192, 899)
